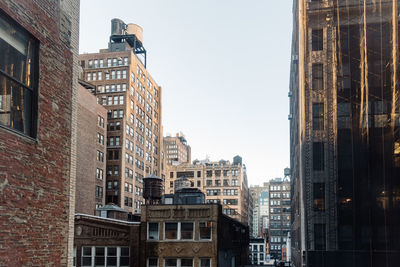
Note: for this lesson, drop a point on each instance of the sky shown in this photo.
(224, 71)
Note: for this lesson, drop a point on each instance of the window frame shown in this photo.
(148, 231)
(32, 133)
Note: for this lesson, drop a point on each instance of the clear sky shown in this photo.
(224, 69)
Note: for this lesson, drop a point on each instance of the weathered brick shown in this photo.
(37, 177)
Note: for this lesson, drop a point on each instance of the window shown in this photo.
(198, 173)
(317, 76)
(318, 116)
(18, 78)
(319, 196)
(153, 231)
(100, 156)
(105, 256)
(99, 174)
(152, 262)
(230, 202)
(186, 230)
(99, 259)
(204, 230)
(100, 121)
(205, 263)
(99, 191)
(86, 256)
(178, 262)
(318, 156)
(112, 256)
(319, 236)
(170, 262)
(317, 39)
(171, 230)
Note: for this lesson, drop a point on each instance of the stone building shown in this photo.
(38, 88)
(91, 151)
(102, 241)
(176, 149)
(255, 192)
(191, 235)
(133, 102)
(345, 133)
(279, 217)
(257, 251)
(222, 182)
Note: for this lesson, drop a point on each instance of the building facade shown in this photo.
(176, 149)
(191, 235)
(279, 218)
(344, 120)
(101, 241)
(257, 251)
(255, 192)
(91, 151)
(222, 182)
(38, 87)
(133, 102)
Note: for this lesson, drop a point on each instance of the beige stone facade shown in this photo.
(222, 182)
(133, 100)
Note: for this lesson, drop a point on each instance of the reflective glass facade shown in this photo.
(345, 133)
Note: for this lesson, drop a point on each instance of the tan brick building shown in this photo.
(176, 149)
(191, 235)
(91, 151)
(133, 100)
(222, 182)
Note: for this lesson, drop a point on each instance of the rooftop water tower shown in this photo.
(153, 189)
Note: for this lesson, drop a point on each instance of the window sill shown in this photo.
(19, 134)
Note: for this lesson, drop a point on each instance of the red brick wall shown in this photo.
(34, 175)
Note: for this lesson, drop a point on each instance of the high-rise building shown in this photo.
(279, 216)
(133, 102)
(222, 182)
(38, 109)
(91, 151)
(345, 133)
(255, 192)
(176, 149)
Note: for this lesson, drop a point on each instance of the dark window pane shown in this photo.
(319, 196)
(318, 116)
(205, 230)
(319, 236)
(317, 76)
(317, 40)
(318, 156)
(171, 230)
(186, 230)
(186, 262)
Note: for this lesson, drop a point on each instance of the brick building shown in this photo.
(91, 151)
(38, 84)
(176, 149)
(99, 241)
(191, 235)
(222, 182)
(133, 102)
